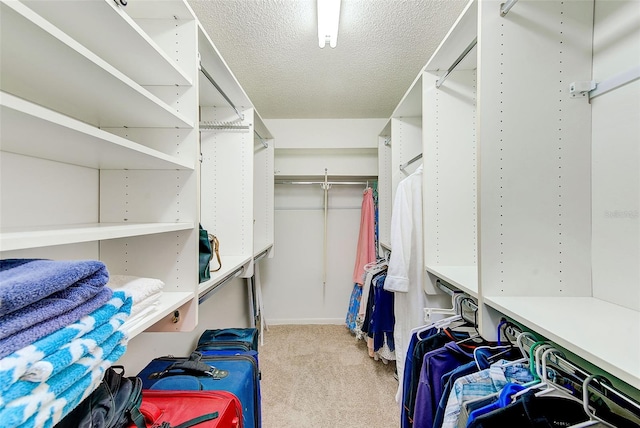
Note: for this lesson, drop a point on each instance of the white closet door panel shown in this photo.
(147, 196)
(616, 196)
(450, 174)
(292, 287)
(37, 192)
(535, 171)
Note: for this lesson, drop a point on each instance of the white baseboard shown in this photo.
(305, 321)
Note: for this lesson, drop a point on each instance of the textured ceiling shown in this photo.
(272, 48)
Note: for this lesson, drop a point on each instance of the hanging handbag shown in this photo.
(208, 245)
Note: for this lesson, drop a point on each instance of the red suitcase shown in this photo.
(199, 409)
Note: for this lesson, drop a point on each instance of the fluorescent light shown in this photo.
(328, 18)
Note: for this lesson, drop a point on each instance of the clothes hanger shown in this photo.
(533, 367)
(593, 419)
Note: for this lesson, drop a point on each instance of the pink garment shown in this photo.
(366, 252)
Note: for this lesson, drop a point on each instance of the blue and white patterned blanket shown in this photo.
(51, 376)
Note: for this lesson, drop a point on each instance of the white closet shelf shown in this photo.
(459, 37)
(105, 28)
(230, 264)
(44, 236)
(26, 125)
(63, 75)
(411, 103)
(465, 278)
(603, 333)
(169, 302)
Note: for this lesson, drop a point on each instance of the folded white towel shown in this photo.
(133, 321)
(138, 288)
(151, 301)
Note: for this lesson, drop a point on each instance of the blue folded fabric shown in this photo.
(26, 281)
(27, 336)
(42, 401)
(17, 364)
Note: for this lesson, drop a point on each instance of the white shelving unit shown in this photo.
(528, 206)
(99, 132)
(236, 179)
(450, 157)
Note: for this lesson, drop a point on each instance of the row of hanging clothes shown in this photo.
(455, 378)
(370, 315)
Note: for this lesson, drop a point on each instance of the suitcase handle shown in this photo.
(192, 365)
(229, 333)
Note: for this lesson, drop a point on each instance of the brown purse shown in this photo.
(215, 246)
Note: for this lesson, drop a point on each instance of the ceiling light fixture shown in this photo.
(328, 18)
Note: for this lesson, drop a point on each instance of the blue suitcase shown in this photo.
(237, 373)
(229, 338)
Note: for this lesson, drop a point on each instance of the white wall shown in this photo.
(292, 281)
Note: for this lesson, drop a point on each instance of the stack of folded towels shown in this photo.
(145, 295)
(60, 329)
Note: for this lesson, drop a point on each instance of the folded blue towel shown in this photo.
(23, 390)
(13, 366)
(25, 281)
(27, 336)
(49, 307)
(63, 391)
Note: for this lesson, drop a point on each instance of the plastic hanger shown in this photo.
(533, 367)
(593, 419)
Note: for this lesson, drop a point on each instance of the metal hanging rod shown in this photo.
(472, 45)
(351, 183)
(615, 82)
(222, 125)
(219, 285)
(564, 364)
(262, 255)
(506, 7)
(219, 89)
(262, 140)
(466, 299)
(412, 160)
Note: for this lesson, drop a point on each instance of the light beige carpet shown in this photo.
(319, 376)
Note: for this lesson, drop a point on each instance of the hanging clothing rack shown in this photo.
(410, 161)
(506, 7)
(468, 49)
(261, 255)
(206, 126)
(560, 361)
(465, 299)
(219, 89)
